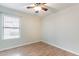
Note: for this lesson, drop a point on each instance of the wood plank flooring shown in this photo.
(36, 49)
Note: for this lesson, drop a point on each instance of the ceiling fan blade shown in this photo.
(45, 9)
(29, 7)
(44, 3)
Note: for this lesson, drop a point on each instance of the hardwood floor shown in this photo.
(36, 49)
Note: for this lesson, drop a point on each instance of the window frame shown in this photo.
(10, 15)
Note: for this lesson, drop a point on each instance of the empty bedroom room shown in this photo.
(39, 29)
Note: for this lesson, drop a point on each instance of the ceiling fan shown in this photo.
(38, 7)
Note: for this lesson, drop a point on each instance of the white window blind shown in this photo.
(11, 27)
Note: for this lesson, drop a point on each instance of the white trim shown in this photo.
(18, 45)
(61, 47)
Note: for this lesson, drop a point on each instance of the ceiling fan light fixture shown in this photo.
(37, 8)
(36, 11)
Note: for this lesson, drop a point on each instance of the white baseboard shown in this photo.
(61, 47)
(18, 45)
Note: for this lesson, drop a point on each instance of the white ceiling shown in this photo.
(52, 7)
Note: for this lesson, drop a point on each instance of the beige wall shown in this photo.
(62, 29)
(30, 29)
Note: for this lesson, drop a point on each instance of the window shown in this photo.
(11, 28)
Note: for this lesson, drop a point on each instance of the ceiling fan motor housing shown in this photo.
(37, 4)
